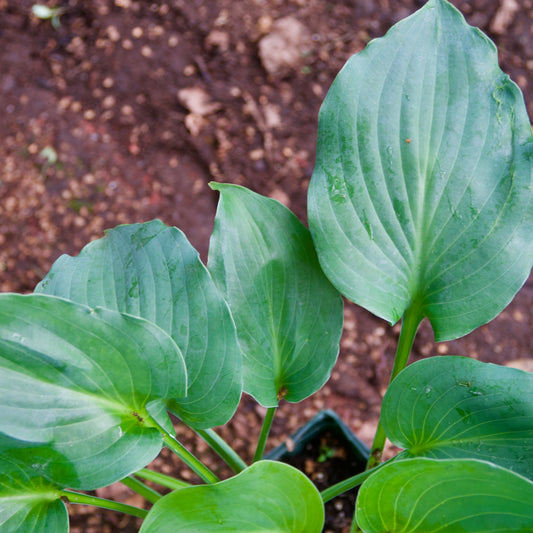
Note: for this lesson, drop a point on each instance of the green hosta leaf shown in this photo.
(266, 497)
(152, 271)
(288, 316)
(426, 496)
(457, 407)
(27, 501)
(421, 197)
(81, 383)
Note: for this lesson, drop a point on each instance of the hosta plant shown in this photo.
(420, 206)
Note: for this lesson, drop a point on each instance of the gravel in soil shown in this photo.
(126, 112)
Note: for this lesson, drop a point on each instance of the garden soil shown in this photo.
(128, 109)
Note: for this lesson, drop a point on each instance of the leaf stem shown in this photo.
(185, 455)
(263, 436)
(410, 322)
(189, 459)
(139, 487)
(162, 479)
(223, 449)
(77, 497)
(348, 484)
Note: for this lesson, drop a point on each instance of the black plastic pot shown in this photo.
(323, 422)
(327, 451)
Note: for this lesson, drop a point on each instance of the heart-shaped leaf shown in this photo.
(85, 384)
(268, 497)
(288, 315)
(451, 495)
(421, 197)
(457, 407)
(27, 501)
(152, 271)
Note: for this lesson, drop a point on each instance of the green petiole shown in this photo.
(161, 479)
(347, 484)
(76, 497)
(139, 487)
(410, 322)
(189, 459)
(263, 436)
(185, 455)
(223, 449)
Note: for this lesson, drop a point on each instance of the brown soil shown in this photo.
(145, 102)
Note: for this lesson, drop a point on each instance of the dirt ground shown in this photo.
(143, 103)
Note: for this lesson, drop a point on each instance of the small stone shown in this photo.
(442, 348)
(521, 364)
(189, 70)
(137, 32)
(197, 101)
(518, 316)
(264, 24)
(113, 33)
(289, 443)
(108, 82)
(64, 102)
(146, 51)
(272, 115)
(281, 51)
(504, 16)
(257, 154)
(218, 39)
(281, 196)
(194, 123)
(109, 101)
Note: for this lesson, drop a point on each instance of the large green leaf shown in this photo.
(28, 503)
(86, 384)
(451, 495)
(152, 271)
(288, 315)
(421, 196)
(455, 407)
(268, 497)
